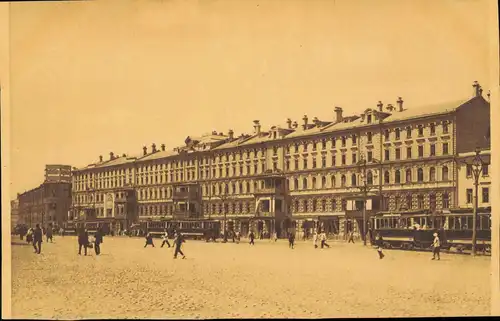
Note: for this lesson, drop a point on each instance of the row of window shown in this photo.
(485, 193)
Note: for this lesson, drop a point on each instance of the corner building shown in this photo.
(299, 176)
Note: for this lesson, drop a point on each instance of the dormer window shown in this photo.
(369, 119)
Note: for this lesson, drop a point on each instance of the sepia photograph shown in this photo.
(231, 159)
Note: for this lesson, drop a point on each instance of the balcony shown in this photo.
(270, 191)
(185, 195)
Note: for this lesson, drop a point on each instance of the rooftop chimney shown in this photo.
(111, 156)
(145, 150)
(338, 114)
(316, 121)
(305, 119)
(230, 133)
(363, 117)
(153, 148)
(295, 124)
(100, 158)
(400, 104)
(256, 126)
(214, 132)
(390, 108)
(221, 134)
(124, 155)
(488, 94)
(289, 123)
(477, 89)
(163, 147)
(380, 106)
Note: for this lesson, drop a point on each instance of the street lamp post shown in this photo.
(477, 168)
(365, 188)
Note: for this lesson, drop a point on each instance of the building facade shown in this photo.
(14, 213)
(296, 177)
(466, 179)
(47, 204)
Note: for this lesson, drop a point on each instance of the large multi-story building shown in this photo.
(48, 203)
(296, 176)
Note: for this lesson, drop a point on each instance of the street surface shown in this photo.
(242, 281)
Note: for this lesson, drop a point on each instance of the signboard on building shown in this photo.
(58, 173)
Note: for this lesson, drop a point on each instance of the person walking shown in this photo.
(252, 237)
(83, 240)
(315, 240)
(29, 236)
(238, 237)
(178, 240)
(98, 241)
(37, 239)
(380, 242)
(436, 246)
(323, 240)
(165, 239)
(149, 240)
(351, 237)
(291, 240)
(49, 234)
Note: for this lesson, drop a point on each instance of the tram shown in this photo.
(414, 231)
(191, 229)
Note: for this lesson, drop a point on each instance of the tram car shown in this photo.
(414, 231)
(191, 229)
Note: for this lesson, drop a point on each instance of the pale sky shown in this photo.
(88, 78)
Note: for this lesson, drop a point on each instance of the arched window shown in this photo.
(420, 175)
(296, 206)
(420, 201)
(248, 187)
(342, 181)
(296, 183)
(408, 175)
(432, 174)
(445, 173)
(432, 202)
(387, 177)
(323, 182)
(353, 180)
(314, 183)
(323, 205)
(233, 188)
(304, 183)
(397, 176)
(369, 178)
(409, 201)
(333, 181)
(446, 201)
(314, 209)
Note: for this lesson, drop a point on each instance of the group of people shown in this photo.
(177, 242)
(35, 237)
(84, 242)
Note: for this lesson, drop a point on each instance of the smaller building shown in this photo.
(467, 164)
(47, 204)
(14, 213)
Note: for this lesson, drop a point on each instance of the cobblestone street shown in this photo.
(239, 280)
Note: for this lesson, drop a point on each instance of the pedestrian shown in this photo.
(37, 239)
(315, 240)
(49, 235)
(98, 241)
(83, 240)
(275, 236)
(291, 240)
(165, 239)
(149, 240)
(29, 236)
(251, 236)
(323, 240)
(380, 242)
(233, 235)
(262, 235)
(61, 231)
(436, 245)
(178, 240)
(351, 237)
(238, 237)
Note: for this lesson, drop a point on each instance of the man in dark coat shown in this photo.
(83, 240)
(252, 237)
(179, 239)
(37, 239)
(98, 241)
(48, 234)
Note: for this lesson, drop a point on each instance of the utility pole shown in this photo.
(224, 197)
(477, 168)
(365, 188)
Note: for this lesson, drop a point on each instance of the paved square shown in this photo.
(239, 280)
